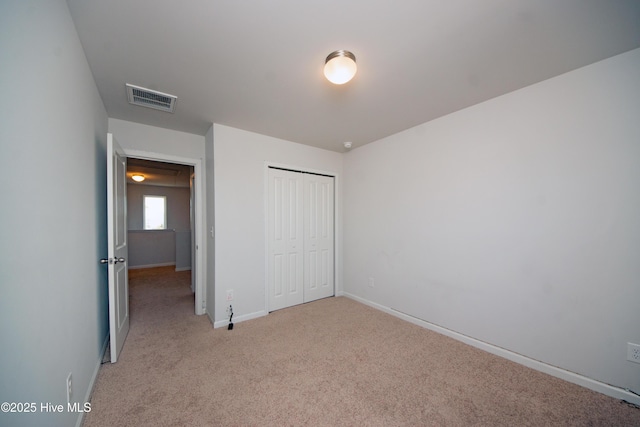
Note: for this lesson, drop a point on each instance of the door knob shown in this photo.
(111, 260)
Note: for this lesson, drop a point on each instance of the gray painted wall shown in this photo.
(177, 205)
(514, 222)
(150, 139)
(240, 159)
(149, 248)
(53, 303)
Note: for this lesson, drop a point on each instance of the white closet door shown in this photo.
(318, 237)
(285, 234)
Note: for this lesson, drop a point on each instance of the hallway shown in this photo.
(156, 295)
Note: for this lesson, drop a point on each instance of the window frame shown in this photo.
(144, 211)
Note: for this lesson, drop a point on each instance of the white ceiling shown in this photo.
(257, 64)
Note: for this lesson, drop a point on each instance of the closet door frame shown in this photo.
(293, 168)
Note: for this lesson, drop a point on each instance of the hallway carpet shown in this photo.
(333, 362)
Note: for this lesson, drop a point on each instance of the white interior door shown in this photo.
(117, 246)
(300, 221)
(318, 237)
(285, 237)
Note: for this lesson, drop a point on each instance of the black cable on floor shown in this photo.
(230, 327)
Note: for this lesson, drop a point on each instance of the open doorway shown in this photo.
(199, 194)
(161, 222)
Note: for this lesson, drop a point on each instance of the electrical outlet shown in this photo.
(230, 295)
(69, 388)
(633, 352)
(372, 283)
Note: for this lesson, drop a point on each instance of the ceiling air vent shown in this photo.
(150, 98)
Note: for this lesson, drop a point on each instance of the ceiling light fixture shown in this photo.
(340, 67)
(137, 177)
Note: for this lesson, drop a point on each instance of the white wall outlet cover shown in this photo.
(633, 352)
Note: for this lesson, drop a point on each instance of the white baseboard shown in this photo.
(213, 322)
(163, 264)
(92, 382)
(563, 374)
(223, 323)
(183, 268)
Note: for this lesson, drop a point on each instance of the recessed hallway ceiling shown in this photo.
(257, 65)
(158, 173)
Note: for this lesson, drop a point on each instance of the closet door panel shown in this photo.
(318, 237)
(285, 239)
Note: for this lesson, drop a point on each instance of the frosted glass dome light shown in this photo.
(340, 67)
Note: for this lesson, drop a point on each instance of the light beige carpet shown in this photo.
(333, 362)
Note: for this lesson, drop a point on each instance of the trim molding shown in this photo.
(255, 315)
(572, 377)
(162, 264)
(92, 382)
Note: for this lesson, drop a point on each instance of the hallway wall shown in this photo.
(53, 130)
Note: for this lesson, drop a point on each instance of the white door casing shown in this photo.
(192, 221)
(199, 192)
(300, 238)
(285, 234)
(117, 246)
